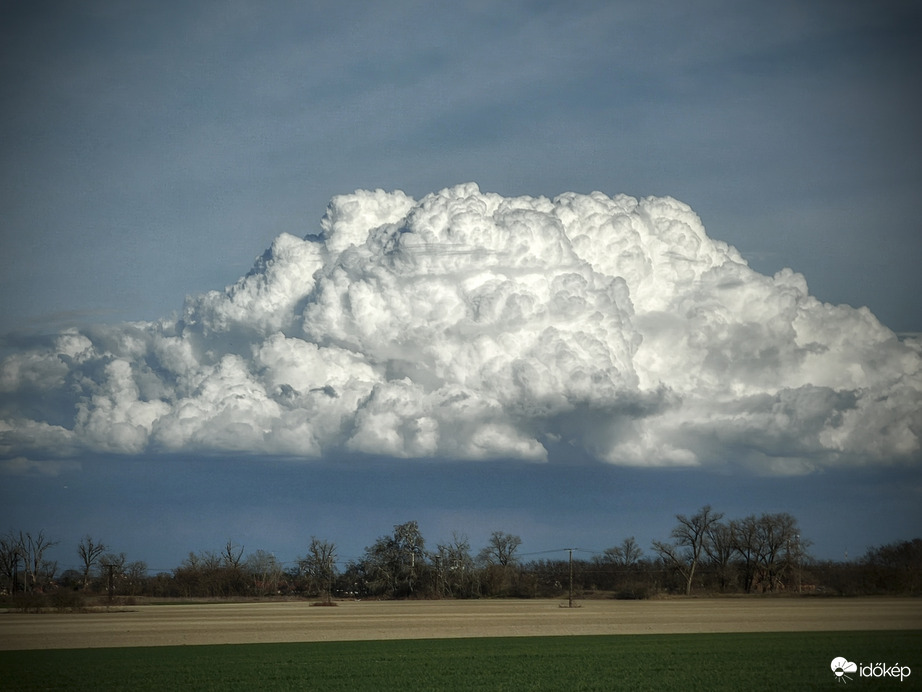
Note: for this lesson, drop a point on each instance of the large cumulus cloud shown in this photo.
(471, 326)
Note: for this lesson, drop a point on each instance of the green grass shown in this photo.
(770, 661)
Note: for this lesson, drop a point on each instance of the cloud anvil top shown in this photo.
(467, 325)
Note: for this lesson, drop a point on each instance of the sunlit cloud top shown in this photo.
(471, 326)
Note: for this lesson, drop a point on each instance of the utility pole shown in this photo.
(570, 601)
(110, 586)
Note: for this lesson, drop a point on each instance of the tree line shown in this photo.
(704, 554)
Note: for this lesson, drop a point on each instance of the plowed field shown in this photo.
(239, 623)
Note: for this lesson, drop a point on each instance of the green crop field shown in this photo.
(752, 661)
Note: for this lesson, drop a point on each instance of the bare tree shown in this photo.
(188, 576)
(770, 547)
(9, 560)
(720, 550)
(455, 567)
(32, 551)
(265, 571)
(319, 566)
(232, 555)
(746, 537)
(135, 576)
(627, 554)
(500, 550)
(896, 567)
(499, 575)
(89, 551)
(689, 537)
(780, 540)
(393, 562)
(117, 560)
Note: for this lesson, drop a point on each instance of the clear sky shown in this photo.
(153, 150)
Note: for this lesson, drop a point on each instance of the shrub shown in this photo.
(68, 601)
(635, 593)
(28, 602)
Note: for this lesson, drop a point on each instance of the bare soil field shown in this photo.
(240, 623)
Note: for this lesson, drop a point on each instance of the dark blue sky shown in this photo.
(158, 511)
(152, 150)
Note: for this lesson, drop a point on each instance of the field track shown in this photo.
(241, 623)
